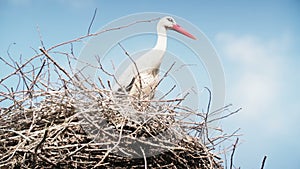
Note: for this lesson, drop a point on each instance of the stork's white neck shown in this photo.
(152, 59)
(161, 43)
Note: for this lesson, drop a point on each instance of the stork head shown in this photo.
(170, 23)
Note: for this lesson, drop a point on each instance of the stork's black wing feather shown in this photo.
(128, 87)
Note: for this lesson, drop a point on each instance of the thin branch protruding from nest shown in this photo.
(232, 154)
(263, 162)
(55, 63)
(92, 21)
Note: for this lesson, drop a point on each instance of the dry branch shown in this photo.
(263, 162)
(232, 154)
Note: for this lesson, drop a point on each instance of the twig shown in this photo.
(101, 82)
(37, 76)
(106, 72)
(35, 51)
(225, 116)
(226, 137)
(24, 80)
(232, 154)
(225, 158)
(41, 142)
(206, 116)
(35, 154)
(7, 63)
(89, 29)
(54, 62)
(72, 49)
(145, 158)
(167, 93)
(7, 51)
(263, 162)
(41, 37)
(102, 31)
(209, 100)
(19, 133)
(164, 76)
(136, 68)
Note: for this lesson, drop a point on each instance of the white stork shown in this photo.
(141, 77)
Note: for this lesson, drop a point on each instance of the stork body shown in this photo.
(141, 77)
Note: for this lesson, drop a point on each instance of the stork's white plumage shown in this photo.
(141, 77)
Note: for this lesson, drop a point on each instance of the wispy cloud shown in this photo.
(255, 71)
(261, 79)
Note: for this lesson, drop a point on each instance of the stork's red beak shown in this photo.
(182, 31)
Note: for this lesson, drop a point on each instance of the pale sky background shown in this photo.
(257, 42)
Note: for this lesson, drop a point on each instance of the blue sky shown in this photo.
(257, 42)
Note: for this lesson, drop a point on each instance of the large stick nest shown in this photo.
(64, 124)
(63, 132)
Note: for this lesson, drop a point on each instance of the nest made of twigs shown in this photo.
(83, 130)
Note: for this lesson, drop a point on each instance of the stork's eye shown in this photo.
(170, 19)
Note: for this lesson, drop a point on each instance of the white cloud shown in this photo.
(260, 79)
(256, 72)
